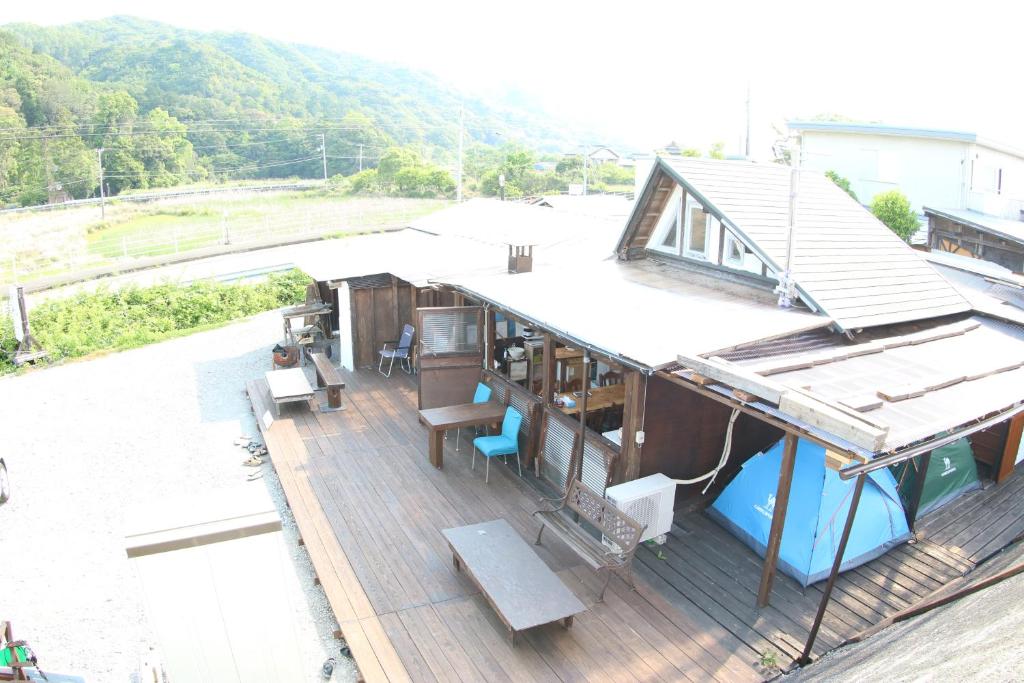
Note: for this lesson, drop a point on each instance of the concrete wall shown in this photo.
(929, 172)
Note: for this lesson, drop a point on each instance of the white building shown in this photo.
(936, 168)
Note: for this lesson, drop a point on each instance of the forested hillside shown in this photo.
(171, 106)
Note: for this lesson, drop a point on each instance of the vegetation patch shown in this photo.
(130, 317)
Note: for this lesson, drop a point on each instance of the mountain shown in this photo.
(247, 103)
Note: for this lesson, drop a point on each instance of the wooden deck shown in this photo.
(704, 567)
(370, 509)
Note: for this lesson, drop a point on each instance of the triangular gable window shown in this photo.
(666, 235)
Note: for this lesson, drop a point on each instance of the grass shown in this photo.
(105, 320)
(48, 243)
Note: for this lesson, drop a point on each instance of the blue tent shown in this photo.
(818, 504)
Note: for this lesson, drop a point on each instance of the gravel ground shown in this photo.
(85, 440)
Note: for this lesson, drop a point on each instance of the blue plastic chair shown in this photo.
(482, 395)
(401, 350)
(504, 444)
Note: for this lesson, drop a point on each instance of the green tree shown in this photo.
(717, 150)
(691, 152)
(893, 209)
(841, 182)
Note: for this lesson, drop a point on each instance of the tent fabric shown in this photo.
(951, 473)
(818, 505)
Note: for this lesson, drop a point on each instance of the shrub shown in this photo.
(107, 320)
(841, 182)
(893, 209)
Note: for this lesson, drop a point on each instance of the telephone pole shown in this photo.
(746, 151)
(458, 172)
(586, 160)
(323, 154)
(103, 197)
(360, 158)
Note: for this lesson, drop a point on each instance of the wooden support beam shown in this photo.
(1013, 438)
(490, 340)
(548, 380)
(394, 306)
(858, 488)
(628, 465)
(915, 499)
(584, 391)
(771, 555)
(734, 376)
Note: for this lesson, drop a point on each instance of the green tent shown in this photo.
(952, 471)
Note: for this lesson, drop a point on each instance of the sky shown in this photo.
(647, 73)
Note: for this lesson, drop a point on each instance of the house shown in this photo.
(601, 155)
(938, 168)
(977, 235)
(653, 345)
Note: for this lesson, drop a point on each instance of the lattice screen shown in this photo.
(523, 406)
(450, 331)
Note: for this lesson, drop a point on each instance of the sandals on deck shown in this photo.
(253, 461)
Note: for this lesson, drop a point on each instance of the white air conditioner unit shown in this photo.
(649, 501)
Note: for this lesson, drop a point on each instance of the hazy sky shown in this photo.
(650, 72)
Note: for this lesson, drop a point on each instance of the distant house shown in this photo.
(603, 154)
(937, 168)
(969, 233)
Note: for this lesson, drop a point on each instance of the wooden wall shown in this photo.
(378, 315)
(685, 432)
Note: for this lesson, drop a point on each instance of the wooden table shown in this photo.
(451, 417)
(600, 398)
(287, 386)
(523, 591)
(569, 357)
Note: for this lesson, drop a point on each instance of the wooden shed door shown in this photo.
(450, 354)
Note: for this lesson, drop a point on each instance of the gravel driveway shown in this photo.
(87, 439)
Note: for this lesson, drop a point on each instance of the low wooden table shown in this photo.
(452, 417)
(287, 386)
(523, 591)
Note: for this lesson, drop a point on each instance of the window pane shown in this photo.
(698, 230)
(670, 236)
(734, 250)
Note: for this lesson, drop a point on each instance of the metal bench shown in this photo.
(620, 532)
(328, 376)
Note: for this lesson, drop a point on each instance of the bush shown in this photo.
(841, 182)
(135, 316)
(893, 209)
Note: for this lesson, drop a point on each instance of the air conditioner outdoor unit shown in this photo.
(649, 501)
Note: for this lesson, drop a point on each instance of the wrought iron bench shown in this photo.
(620, 532)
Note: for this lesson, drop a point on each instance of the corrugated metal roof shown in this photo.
(638, 311)
(845, 261)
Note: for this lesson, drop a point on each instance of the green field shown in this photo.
(44, 244)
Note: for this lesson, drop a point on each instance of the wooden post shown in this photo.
(585, 384)
(548, 381)
(915, 500)
(771, 555)
(394, 303)
(490, 340)
(805, 658)
(1013, 436)
(628, 467)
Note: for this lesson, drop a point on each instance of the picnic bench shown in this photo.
(523, 591)
(620, 533)
(327, 376)
(288, 386)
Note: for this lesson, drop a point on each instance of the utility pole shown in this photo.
(360, 158)
(103, 197)
(586, 162)
(458, 172)
(323, 154)
(746, 145)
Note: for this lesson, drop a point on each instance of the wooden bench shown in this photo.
(616, 527)
(328, 376)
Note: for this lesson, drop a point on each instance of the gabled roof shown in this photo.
(845, 263)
